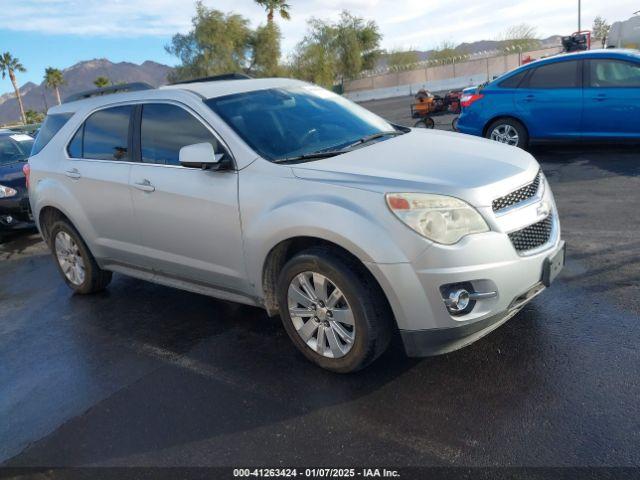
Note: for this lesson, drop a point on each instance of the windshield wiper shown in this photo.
(341, 150)
(373, 136)
(310, 156)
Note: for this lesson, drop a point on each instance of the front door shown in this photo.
(187, 218)
(612, 99)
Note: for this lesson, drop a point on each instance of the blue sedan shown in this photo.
(593, 95)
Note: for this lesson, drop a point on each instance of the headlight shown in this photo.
(437, 217)
(7, 192)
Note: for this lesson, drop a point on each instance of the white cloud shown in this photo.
(404, 23)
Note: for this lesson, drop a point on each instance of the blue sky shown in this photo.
(59, 33)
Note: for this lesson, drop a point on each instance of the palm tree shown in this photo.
(53, 79)
(10, 65)
(272, 5)
(101, 82)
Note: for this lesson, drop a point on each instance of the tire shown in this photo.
(502, 131)
(454, 123)
(372, 321)
(425, 123)
(64, 239)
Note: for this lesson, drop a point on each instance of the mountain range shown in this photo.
(79, 78)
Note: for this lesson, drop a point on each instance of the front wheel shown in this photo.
(333, 310)
(509, 131)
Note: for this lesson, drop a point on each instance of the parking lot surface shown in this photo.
(149, 376)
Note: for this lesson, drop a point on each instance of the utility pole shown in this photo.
(579, 15)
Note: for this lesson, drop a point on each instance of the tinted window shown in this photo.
(555, 75)
(75, 146)
(106, 134)
(52, 125)
(15, 148)
(514, 80)
(165, 129)
(614, 73)
(285, 122)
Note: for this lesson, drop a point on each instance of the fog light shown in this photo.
(7, 219)
(457, 301)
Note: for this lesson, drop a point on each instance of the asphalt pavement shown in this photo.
(146, 375)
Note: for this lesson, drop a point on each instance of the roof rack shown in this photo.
(124, 87)
(215, 78)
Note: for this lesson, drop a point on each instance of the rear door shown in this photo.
(612, 99)
(550, 100)
(188, 218)
(96, 171)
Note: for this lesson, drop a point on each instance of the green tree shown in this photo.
(336, 50)
(101, 82)
(217, 43)
(10, 65)
(53, 79)
(520, 37)
(357, 45)
(271, 6)
(265, 46)
(31, 117)
(600, 30)
(401, 59)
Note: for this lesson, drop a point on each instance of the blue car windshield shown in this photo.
(15, 148)
(282, 123)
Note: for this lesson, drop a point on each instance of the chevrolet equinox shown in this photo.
(280, 194)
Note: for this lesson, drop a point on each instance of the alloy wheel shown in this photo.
(321, 314)
(505, 133)
(70, 258)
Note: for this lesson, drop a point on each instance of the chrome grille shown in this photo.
(533, 236)
(517, 196)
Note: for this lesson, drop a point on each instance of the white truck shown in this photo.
(625, 34)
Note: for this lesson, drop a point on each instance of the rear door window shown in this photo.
(556, 75)
(51, 125)
(104, 135)
(604, 73)
(165, 129)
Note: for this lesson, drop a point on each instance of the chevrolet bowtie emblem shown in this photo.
(543, 209)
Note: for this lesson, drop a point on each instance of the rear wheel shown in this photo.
(74, 260)
(333, 311)
(509, 131)
(425, 123)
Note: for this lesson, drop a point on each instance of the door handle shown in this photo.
(600, 98)
(145, 186)
(73, 173)
(529, 98)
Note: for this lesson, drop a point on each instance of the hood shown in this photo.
(430, 161)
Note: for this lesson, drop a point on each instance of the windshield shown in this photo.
(282, 123)
(15, 148)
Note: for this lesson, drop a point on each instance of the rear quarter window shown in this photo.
(52, 125)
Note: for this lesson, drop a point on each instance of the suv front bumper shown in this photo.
(486, 261)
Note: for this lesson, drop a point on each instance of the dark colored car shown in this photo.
(15, 213)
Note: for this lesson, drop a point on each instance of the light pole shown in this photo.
(579, 15)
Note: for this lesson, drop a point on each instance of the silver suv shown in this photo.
(281, 194)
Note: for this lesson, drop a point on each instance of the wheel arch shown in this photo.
(286, 249)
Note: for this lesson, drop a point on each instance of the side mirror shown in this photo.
(200, 155)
